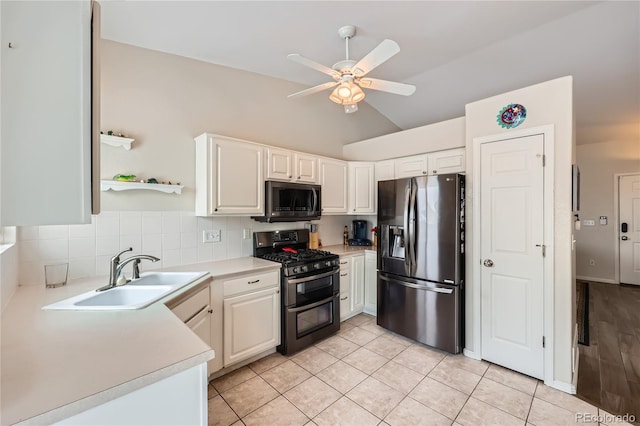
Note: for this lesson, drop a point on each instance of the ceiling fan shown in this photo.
(349, 75)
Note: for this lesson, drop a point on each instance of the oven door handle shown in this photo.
(311, 305)
(313, 277)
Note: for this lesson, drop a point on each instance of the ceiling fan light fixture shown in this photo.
(344, 90)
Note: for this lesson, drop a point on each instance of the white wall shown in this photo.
(598, 163)
(173, 236)
(447, 134)
(164, 101)
(547, 103)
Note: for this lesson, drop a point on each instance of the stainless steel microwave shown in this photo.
(290, 202)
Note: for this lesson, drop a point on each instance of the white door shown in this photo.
(361, 188)
(333, 179)
(279, 164)
(306, 167)
(511, 238)
(630, 238)
(449, 161)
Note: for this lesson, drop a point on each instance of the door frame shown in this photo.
(616, 219)
(548, 134)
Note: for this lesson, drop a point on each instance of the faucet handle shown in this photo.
(117, 256)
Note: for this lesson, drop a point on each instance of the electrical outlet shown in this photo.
(592, 262)
(246, 233)
(211, 236)
(589, 222)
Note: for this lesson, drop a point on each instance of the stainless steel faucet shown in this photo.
(115, 267)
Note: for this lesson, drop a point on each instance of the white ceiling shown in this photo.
(454, 52)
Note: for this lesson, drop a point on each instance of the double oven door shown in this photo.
(311, 309)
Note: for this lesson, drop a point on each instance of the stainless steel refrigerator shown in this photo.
(421, 259)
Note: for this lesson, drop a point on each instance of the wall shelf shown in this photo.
(106, 185)
(116, 141)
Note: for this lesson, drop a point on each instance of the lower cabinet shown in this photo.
(351, 286)
(370, 283)
(251, 319)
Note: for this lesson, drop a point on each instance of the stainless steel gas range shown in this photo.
(310, 281)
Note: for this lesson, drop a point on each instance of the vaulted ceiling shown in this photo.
(455, 52)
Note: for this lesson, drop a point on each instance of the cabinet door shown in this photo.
(416, 165)
(333, 179)
(449, 161)
(345, 294)
(385, 170)
(201, 326)
(361, 188)
(46, 112)
(229, 177)
(370, 284)
(279, 164)
(251, 324)
(357, 284)
(306, 168)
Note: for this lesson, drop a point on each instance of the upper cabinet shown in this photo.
(291, 166)
(50, 147)
(229, 176)
(415, 165)
(385, 170)
(362, 189)
(333, 179)
(449, 161)
(433, 163)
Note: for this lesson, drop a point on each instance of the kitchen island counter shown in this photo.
(342, 250)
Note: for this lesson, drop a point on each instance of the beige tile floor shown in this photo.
(366, 375)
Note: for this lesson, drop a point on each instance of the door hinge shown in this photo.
(543, 341)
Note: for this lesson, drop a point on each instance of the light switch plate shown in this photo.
(589, 222)
(246, 233)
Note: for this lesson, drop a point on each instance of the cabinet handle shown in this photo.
(344, 298)
(343, 275)
(435, 171)
(215, 210)
(253, 282)
(210, 311)
(424, 172)
(299, 177)
(289, 177)
(343, 263)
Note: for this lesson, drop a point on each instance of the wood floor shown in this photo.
(609, 369)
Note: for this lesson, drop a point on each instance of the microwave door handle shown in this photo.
(315, 200)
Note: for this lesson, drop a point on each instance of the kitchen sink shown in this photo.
(137, 294)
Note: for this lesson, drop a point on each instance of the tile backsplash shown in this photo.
(173, 236)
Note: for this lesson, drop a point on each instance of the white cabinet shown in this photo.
(433, 163)
(229, 176)
(48, 142)
(251, 315)
(193, 307)
(449, 161)
(351, 286)
(370, 283)
(291, 166)
(416, 165)
(333, 179)
(362, 193)
(385, 170)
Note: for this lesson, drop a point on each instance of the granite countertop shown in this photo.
(56, 364)
(343, 250)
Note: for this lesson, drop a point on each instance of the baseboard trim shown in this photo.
(370, 311)
(600, 280)
(470, 354)
(569, 388)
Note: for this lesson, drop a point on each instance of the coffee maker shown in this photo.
(360, 228)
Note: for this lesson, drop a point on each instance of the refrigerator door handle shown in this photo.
(418, 286)
(408, 265)
(412, 225)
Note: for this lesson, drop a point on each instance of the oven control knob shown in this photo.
(303, 268)
(317, 266)
(328, 263)
(296, 269)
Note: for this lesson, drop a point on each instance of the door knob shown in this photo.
(488, 263)
(624, 238)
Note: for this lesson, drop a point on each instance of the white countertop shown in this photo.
(343, 250)
(56, 364)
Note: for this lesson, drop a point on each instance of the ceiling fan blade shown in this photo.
(295, 57)
(387, 86)
(314, 89)
(377, 56)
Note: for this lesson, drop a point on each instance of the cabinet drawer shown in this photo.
(251, 283)
(345, 264)
(188, 308)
